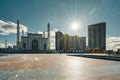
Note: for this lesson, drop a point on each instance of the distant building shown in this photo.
(66, 42)
(78, 43)
(33, 41)
(59, 40)
(83, 43)
(97, 36)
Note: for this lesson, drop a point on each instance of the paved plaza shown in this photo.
(57, 67)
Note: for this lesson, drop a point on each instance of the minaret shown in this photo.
(18, 33)
(6, 42)
(22, 32)
(48, 35)
(43, 34)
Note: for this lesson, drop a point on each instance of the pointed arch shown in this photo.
(34, 44)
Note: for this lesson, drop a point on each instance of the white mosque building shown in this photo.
(33, 41)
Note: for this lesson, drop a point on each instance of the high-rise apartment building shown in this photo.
(66, 42)
(97, 36)
(59, 40)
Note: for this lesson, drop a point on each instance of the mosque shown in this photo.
(33, 41)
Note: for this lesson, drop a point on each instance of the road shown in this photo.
(57, 67)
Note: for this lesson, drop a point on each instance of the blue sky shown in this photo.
(35, 14)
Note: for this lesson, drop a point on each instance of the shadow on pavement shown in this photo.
(106, 57)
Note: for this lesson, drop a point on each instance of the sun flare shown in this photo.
(75, 25)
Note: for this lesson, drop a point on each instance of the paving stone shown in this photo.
(57, 67)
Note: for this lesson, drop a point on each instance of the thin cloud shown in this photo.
(92, 11)
(113, 43)
(2, 45)
(8, 27)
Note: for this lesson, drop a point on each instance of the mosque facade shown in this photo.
(33, 41)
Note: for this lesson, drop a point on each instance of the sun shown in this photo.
(75, 25)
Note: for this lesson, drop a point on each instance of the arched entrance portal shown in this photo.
(34, 45)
